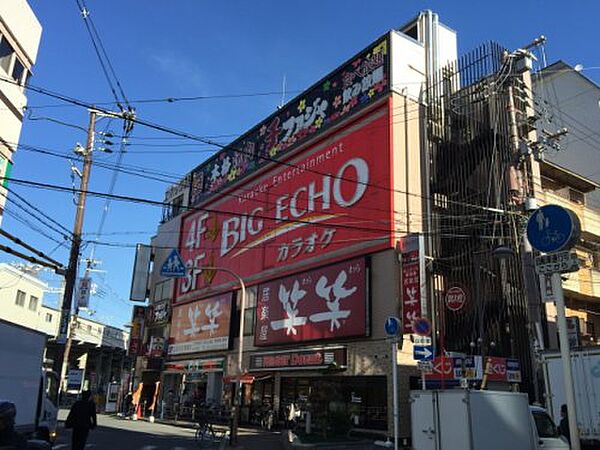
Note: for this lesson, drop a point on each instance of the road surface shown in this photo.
(115, 433)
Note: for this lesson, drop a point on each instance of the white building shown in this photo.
(20, 34)
(21, 298)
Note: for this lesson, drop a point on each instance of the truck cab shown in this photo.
(545, 431)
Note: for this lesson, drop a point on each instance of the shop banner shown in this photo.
(472, 368)
(159, 313)
(413, 280)
(156, 346)
(327, 303)
(197, 365)
(137, 323)
(201, 326)
(299, 360)
(333, 203)
(360, 82)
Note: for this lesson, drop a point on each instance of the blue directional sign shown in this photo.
(173, 267)
(422, 326)
(423, 352)
(392, 326)
(553, 228)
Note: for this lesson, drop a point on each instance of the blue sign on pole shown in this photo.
(423, 352)
(173, 267)
(553, 228)
(422, 326)
(392, 326)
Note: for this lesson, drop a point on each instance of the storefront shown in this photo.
(190, 385)
(315, 381)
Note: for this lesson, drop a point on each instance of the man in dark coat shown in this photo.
(9, 438)
(82, 419)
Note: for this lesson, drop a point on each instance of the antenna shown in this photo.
(282, 93)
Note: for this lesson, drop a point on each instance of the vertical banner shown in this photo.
(141, 272)
(412, 281)
(135, 338)
(83, 292)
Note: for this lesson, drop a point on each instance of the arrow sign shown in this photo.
(422, 353)
(173, 267)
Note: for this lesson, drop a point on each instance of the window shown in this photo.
(6, 52)
(544, 425)
(48, 317)
(89, 328)
(20, 301)
(249, 312)
(18, 70)
(33, 303)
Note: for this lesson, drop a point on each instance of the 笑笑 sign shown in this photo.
(201, 326)
(326, 303)
(332, 202)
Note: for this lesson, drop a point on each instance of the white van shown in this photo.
(545, 431)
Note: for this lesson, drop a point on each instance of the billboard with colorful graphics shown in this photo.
(331, 203)
(201, 326)
(326, 303)
(360, 82)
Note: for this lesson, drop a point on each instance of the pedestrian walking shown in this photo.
(82, 419)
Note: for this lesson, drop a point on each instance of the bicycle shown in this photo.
(208, 436)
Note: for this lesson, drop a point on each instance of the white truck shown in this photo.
(585, 365)
(462, 419)
(25, 382)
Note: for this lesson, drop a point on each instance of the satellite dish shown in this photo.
(578, 67)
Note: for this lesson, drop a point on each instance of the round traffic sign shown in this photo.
(456, 297)
(553, 228)
(422, 326)
(392, 326)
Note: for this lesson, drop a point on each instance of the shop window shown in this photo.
(33, 303)
(20, 300)
(6, 53)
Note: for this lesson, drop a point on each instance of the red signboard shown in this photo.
(495, 368)
(135, 337)
(326, 303)
(201, 326)
(412, 280)
(332, 203)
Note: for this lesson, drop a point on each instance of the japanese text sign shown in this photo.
(412, 283)
(331, 203)
(321, 304)
(303, 359)
(360, 82)
(200, 326)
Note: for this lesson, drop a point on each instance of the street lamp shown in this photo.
(237, 400)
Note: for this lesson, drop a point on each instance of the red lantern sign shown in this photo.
(456, 297)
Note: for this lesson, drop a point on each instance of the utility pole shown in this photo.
(71, 274)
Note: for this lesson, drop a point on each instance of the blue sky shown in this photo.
(179, 48)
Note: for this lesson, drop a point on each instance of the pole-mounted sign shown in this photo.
(553, 228)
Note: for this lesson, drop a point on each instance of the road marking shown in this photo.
(56, 447)
(178, 448)
(149, 447)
